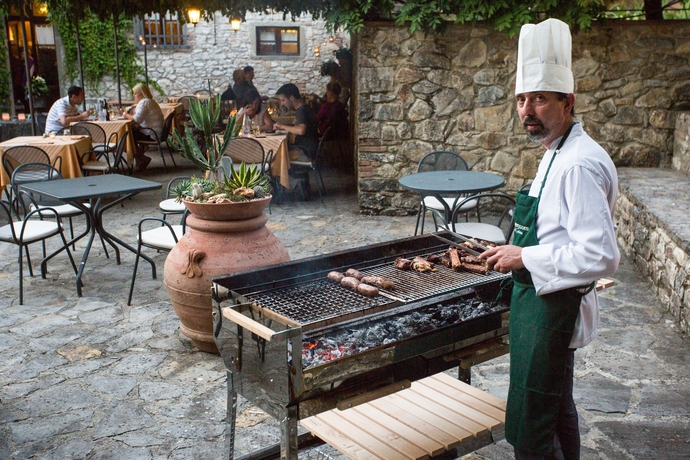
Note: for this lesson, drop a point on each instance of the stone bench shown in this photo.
(653, 217)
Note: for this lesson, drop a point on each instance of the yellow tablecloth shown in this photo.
(280, 163)
(178, 110)
(70, 148)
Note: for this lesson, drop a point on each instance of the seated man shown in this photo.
(304, 129)
(64, 112)
(240, 87)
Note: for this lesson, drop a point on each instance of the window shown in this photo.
(277, 41)
(160, 31)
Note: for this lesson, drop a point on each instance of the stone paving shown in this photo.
(92, 378)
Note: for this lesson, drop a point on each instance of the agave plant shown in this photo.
(204, 115)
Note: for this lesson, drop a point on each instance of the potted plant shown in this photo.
(226, 230)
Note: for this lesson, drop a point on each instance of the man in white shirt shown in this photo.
(564, 241)
(64, 112)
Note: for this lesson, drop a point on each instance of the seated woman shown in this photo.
(333, 110)
(252, 107)
(147, 114)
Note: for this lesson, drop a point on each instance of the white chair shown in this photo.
(170, 206)
(441, 160)
(31, 230)
(497, 207)
(26, 202)
(161, 238)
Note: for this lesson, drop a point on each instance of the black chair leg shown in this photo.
(134, 274)
(21, 277)
(28, 260)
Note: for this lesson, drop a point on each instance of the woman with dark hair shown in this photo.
(252, 108)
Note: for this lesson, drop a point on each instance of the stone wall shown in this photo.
(421, 93)
(654, 231)
(215, 54)
(681, 146)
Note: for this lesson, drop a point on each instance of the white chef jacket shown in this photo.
(575, 226)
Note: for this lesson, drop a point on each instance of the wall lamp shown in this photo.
(194, 15)
(235, 23)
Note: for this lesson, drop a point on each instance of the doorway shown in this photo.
(40, 39)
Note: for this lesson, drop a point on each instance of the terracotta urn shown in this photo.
(216, 247)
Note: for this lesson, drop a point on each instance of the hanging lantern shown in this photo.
(194, 15)
(235, 23)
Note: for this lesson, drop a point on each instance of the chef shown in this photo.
(564, 240)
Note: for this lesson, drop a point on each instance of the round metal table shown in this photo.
(450, 183)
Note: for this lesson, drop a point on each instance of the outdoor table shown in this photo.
(458, 183)
(69, 148)
(175, 99)
(178, 110)
(94, 189)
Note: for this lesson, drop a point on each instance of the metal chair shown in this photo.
(253, 154)
(440, 160)
(14, 157)
(301, 169)
(28, 231)
(170, 206)
(498, 206)
(159, 142)
(161, 238)
(186, 101)
(119, 163)
(99, 142)
(27, 202)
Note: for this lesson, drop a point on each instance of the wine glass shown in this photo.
(92, 110)
(256, 128)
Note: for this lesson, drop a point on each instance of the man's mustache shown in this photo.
(533, 120)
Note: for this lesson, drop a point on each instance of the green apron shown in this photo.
(541, 328)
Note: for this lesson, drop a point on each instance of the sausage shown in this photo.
(336, 276)
(350, 282)
(354, 273)
(365, 289)
(454, 259)
(379, 281)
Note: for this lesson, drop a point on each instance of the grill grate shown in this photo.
(316, 301)
(411, 285)
(321, 302)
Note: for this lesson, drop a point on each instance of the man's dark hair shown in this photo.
(249, 97)
(334, 87)
(564, 96)
(288, 90)
(248, 69)
(75, 91)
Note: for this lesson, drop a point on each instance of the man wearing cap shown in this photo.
(564, 241)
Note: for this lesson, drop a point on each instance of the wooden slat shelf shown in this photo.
(436, 414)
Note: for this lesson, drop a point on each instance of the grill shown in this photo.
(264, 317)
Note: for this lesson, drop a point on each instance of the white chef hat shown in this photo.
(544, 58)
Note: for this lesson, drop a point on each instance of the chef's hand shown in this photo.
(504, 258)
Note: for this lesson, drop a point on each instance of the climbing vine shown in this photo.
(98, 49)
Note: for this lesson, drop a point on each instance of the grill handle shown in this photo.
(248, 323)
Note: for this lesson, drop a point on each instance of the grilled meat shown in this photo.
(371, 291)
(402, 263)
(336, 276)
(422, 265)
(349, 281)
(354, 273)
(379, 281)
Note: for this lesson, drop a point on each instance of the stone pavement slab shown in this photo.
(93, 378)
